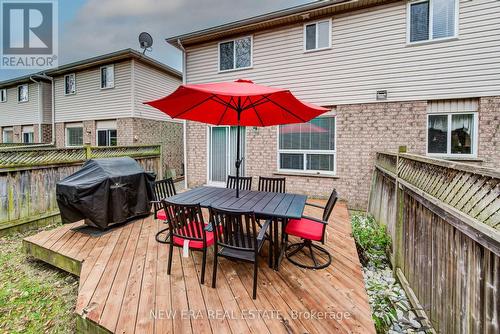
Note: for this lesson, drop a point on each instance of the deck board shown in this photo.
(124, 286)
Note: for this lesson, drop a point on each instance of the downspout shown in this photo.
(40, 110)
(184, 122)
(53, 111)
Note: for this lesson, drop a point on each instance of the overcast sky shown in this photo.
(89, 28)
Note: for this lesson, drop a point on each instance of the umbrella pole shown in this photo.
(238, 162)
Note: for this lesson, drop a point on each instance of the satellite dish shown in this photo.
(145, 41)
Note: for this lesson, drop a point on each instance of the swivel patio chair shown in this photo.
(162, 189)
(237, 237)
(245, 182)
(310, 229)
(185, 224)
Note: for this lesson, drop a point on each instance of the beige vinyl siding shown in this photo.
(46, 103)
(369, 53)
(19, 113)
(92, 102)
(151, 84)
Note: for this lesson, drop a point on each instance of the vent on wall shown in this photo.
(381, 95)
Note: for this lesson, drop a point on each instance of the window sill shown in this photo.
(317, 50)
(235, 69)
(432, 41)
(325, 176)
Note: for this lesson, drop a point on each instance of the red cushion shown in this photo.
(194, 243)
(161, 215)
(305, 228)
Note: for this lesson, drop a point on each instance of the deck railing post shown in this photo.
(88, 152)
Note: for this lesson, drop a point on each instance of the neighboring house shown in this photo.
(99, 101)
(25, 110)
(424, 74)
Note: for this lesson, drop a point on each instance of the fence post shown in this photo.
(398, 233)
(88, 152)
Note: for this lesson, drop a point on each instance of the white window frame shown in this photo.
(27, 93)
(107, 132)
(448, 153)
(32, 136)
(3, 97)
(306, 152)
(4, 130)
(100, 76)
(234, 55)
(430, 38)
(317, 35)
(66, 137)
(66, 76)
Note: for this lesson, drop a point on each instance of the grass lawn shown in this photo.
(34, 297)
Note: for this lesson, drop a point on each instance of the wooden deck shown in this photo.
(124, 286)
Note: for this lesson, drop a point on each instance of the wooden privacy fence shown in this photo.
(444, 219)
(28, 179)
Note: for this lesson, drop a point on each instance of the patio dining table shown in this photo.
(279, 207)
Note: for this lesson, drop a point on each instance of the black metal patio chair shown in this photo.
(245, 182)
(186, 225)
(310, 229)
(272, 184)
(237, 237)
(162, 189)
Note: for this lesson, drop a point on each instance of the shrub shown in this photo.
(371, 239)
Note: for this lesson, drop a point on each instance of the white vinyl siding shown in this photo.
(92, 102)
(369, 53)
(151, 84)
(14, 113)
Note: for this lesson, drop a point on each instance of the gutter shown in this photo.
(184, 122)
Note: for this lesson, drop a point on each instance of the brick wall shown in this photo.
(489, 131)
(140, 131)
(361, 131)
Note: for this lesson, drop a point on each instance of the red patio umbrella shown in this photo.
(240, 103)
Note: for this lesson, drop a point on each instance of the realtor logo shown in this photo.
(29, 34)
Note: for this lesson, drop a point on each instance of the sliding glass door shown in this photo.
(222, 153)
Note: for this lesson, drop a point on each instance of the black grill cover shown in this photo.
(105, 192)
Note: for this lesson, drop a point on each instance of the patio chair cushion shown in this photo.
(198, 244)
(305, 228)
(161, 215)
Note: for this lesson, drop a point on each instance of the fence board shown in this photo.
(449, 237)
(27, 194)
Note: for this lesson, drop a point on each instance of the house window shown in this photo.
(235, 54)
(106, 137)
(7, 135)
(22, 93)
(308, 147)
(107, 76)
(28, 135)
(452, 134)
(69, 84)
(74, 135)
(317, 35)
(3, 95)
(432, 20)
